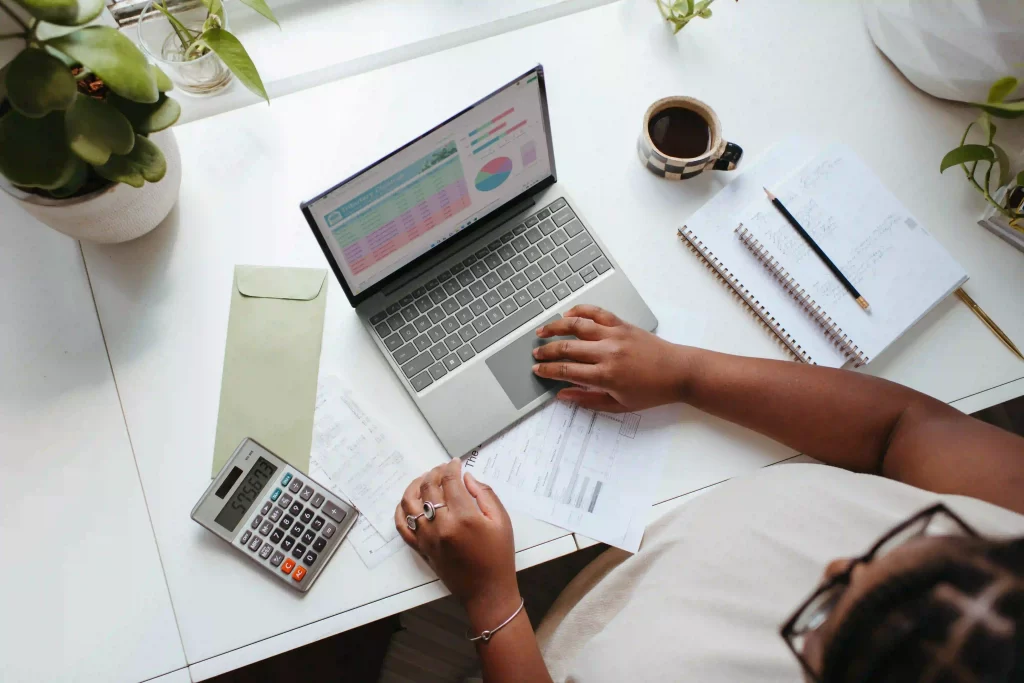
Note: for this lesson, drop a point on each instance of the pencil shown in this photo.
(817, 250)
(989, 323)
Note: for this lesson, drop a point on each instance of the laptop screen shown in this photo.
(403, 206)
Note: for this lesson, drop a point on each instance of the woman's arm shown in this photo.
(842, 418)
(469, 545)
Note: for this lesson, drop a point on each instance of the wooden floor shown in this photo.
(357, 656)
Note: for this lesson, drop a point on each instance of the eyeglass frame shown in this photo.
(786, 631)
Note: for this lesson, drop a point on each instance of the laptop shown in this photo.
(454, 248)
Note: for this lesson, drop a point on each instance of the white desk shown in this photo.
(82, 590)
(769, 71)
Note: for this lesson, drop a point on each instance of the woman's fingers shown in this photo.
(577, 373)
(486, 498)
(581, 328)
(593, 400)
(403, 528)
(430, 487)
(411, 501)
(569, 349)
(598, 315)
(455, 493)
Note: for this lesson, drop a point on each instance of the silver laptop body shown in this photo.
(456, 247)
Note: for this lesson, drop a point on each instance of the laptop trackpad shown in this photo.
(513, 368)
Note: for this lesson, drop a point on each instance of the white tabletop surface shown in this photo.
(82, 590)
(769, 70)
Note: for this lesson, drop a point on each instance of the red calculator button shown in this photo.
(289, 565)
(299, 573)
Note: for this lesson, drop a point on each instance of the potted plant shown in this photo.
(85, 144)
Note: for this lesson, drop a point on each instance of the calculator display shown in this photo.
(246, 494)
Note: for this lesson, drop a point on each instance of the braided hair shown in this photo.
(959, 619)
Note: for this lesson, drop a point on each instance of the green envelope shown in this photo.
(271, 362)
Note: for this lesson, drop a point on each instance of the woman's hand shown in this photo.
(620, 367)
(468, 543)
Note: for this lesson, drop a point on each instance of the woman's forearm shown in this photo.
(512, 655)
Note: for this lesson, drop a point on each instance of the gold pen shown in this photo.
(965, 297)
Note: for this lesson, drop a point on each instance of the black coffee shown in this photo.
(680, 133)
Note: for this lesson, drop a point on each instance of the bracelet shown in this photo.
(487, 635)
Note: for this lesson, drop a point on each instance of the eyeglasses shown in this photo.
(938, 520)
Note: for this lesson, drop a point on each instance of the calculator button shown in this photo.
(256, 521)
(329, 530)
(308, 537)
(245, 537)
(255, 543)
(267, 549)
(318, 500)
(286, 522)
(277, 558)
(334, 512)
(266, 508)
(295, 486)
(285, 501)
(299, 550)
(267, 527)
(287, 543)
(318, 523)
(276, 494)
(319, 544)
(286, 478)
(307, 493)
(297, 529)
(299, 573)
(309, 559)
(288, 566)
(306, 516)
(296, 509)
(275, 514)
(276, 536)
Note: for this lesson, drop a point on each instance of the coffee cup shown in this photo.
(682, 137)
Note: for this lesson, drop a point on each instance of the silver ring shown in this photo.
(410, 520)
(430, 509)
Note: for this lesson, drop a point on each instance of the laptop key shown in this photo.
(505, 290)
(493, 261)
(464, 297)
(382, 330)
(410, 313)
(544, 213)
(546, 263)
(437, 371)
(546, 227)
(557, 204)
(435, 314)
(438, 295)
(492, 299)
(408, 332)
(533, 272)
(494, 315)
(546, 246)
(439, 351)
(457, 268)
(424, 304)
(522, 297)
(518, 262)
(562, 217)
(559, 237)
(563, 271)
(443, 276)
(549, 280)
(519, 229)
(505, 271)
(478, 288)
(450, 325)
(577, 243)
(509, 324)
(520, 243)
(519, 280)
(494, 246)
(547, 299)
(479, 269)
(481, 323)
(451, 287)
(584, 257)
(536, 288)
(559, 254)
(506, 252)
(575, 282)
(588, 273)
(380, 317)
(561, 291)
(532, 254)
(422, 323)
(509, 306)
(432, 283)
(418, 292)
(394, 308)
(464, 316)
(422, 342)
(393, 342)
(533, 235)
(436, 333)
(481, 253)
(531, 221)
(507, 237)
(573, 227)
(453, 342)
(417, 365)
(467, 333)
(453, 361)
(396, 322)
(422, 381)
(405, 300)
(478, 307)
(405, 354)
(601, 265)
(468, 261)
(465, 277)
(449, 306)
(466, 352)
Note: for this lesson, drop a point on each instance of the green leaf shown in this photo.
(34, 152)
(113, 57)
(63, 12)
(965, 154)
(230, 50)
(1001, 88)
(261, 7)
(215, 7)
(163, 81)
(1004, 164)
(38, 83)
(988, 128)
(1003, 110)
(144, 163)
(78, 178)
(706, 14)
(702, 5)
(148, 118)
(96, 130)
(689, 7)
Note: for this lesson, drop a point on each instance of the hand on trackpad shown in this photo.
(513, 368)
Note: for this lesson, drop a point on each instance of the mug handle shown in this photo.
(729, 158)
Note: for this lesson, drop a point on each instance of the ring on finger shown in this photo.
(430, 510)
(410, 520)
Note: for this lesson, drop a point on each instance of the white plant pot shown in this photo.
(116, 213)
(953, 49)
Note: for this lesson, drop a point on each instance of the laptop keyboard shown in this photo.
(460, 312)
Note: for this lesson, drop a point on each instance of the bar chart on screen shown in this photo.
(400, 208)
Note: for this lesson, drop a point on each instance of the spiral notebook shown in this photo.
(874, 240)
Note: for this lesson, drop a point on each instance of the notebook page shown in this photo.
(891, 258)
(715, 223)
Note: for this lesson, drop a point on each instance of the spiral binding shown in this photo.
(832, 330)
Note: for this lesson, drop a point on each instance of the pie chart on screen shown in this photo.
(493, 174)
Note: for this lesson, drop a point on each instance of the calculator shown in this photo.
(275, 515)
